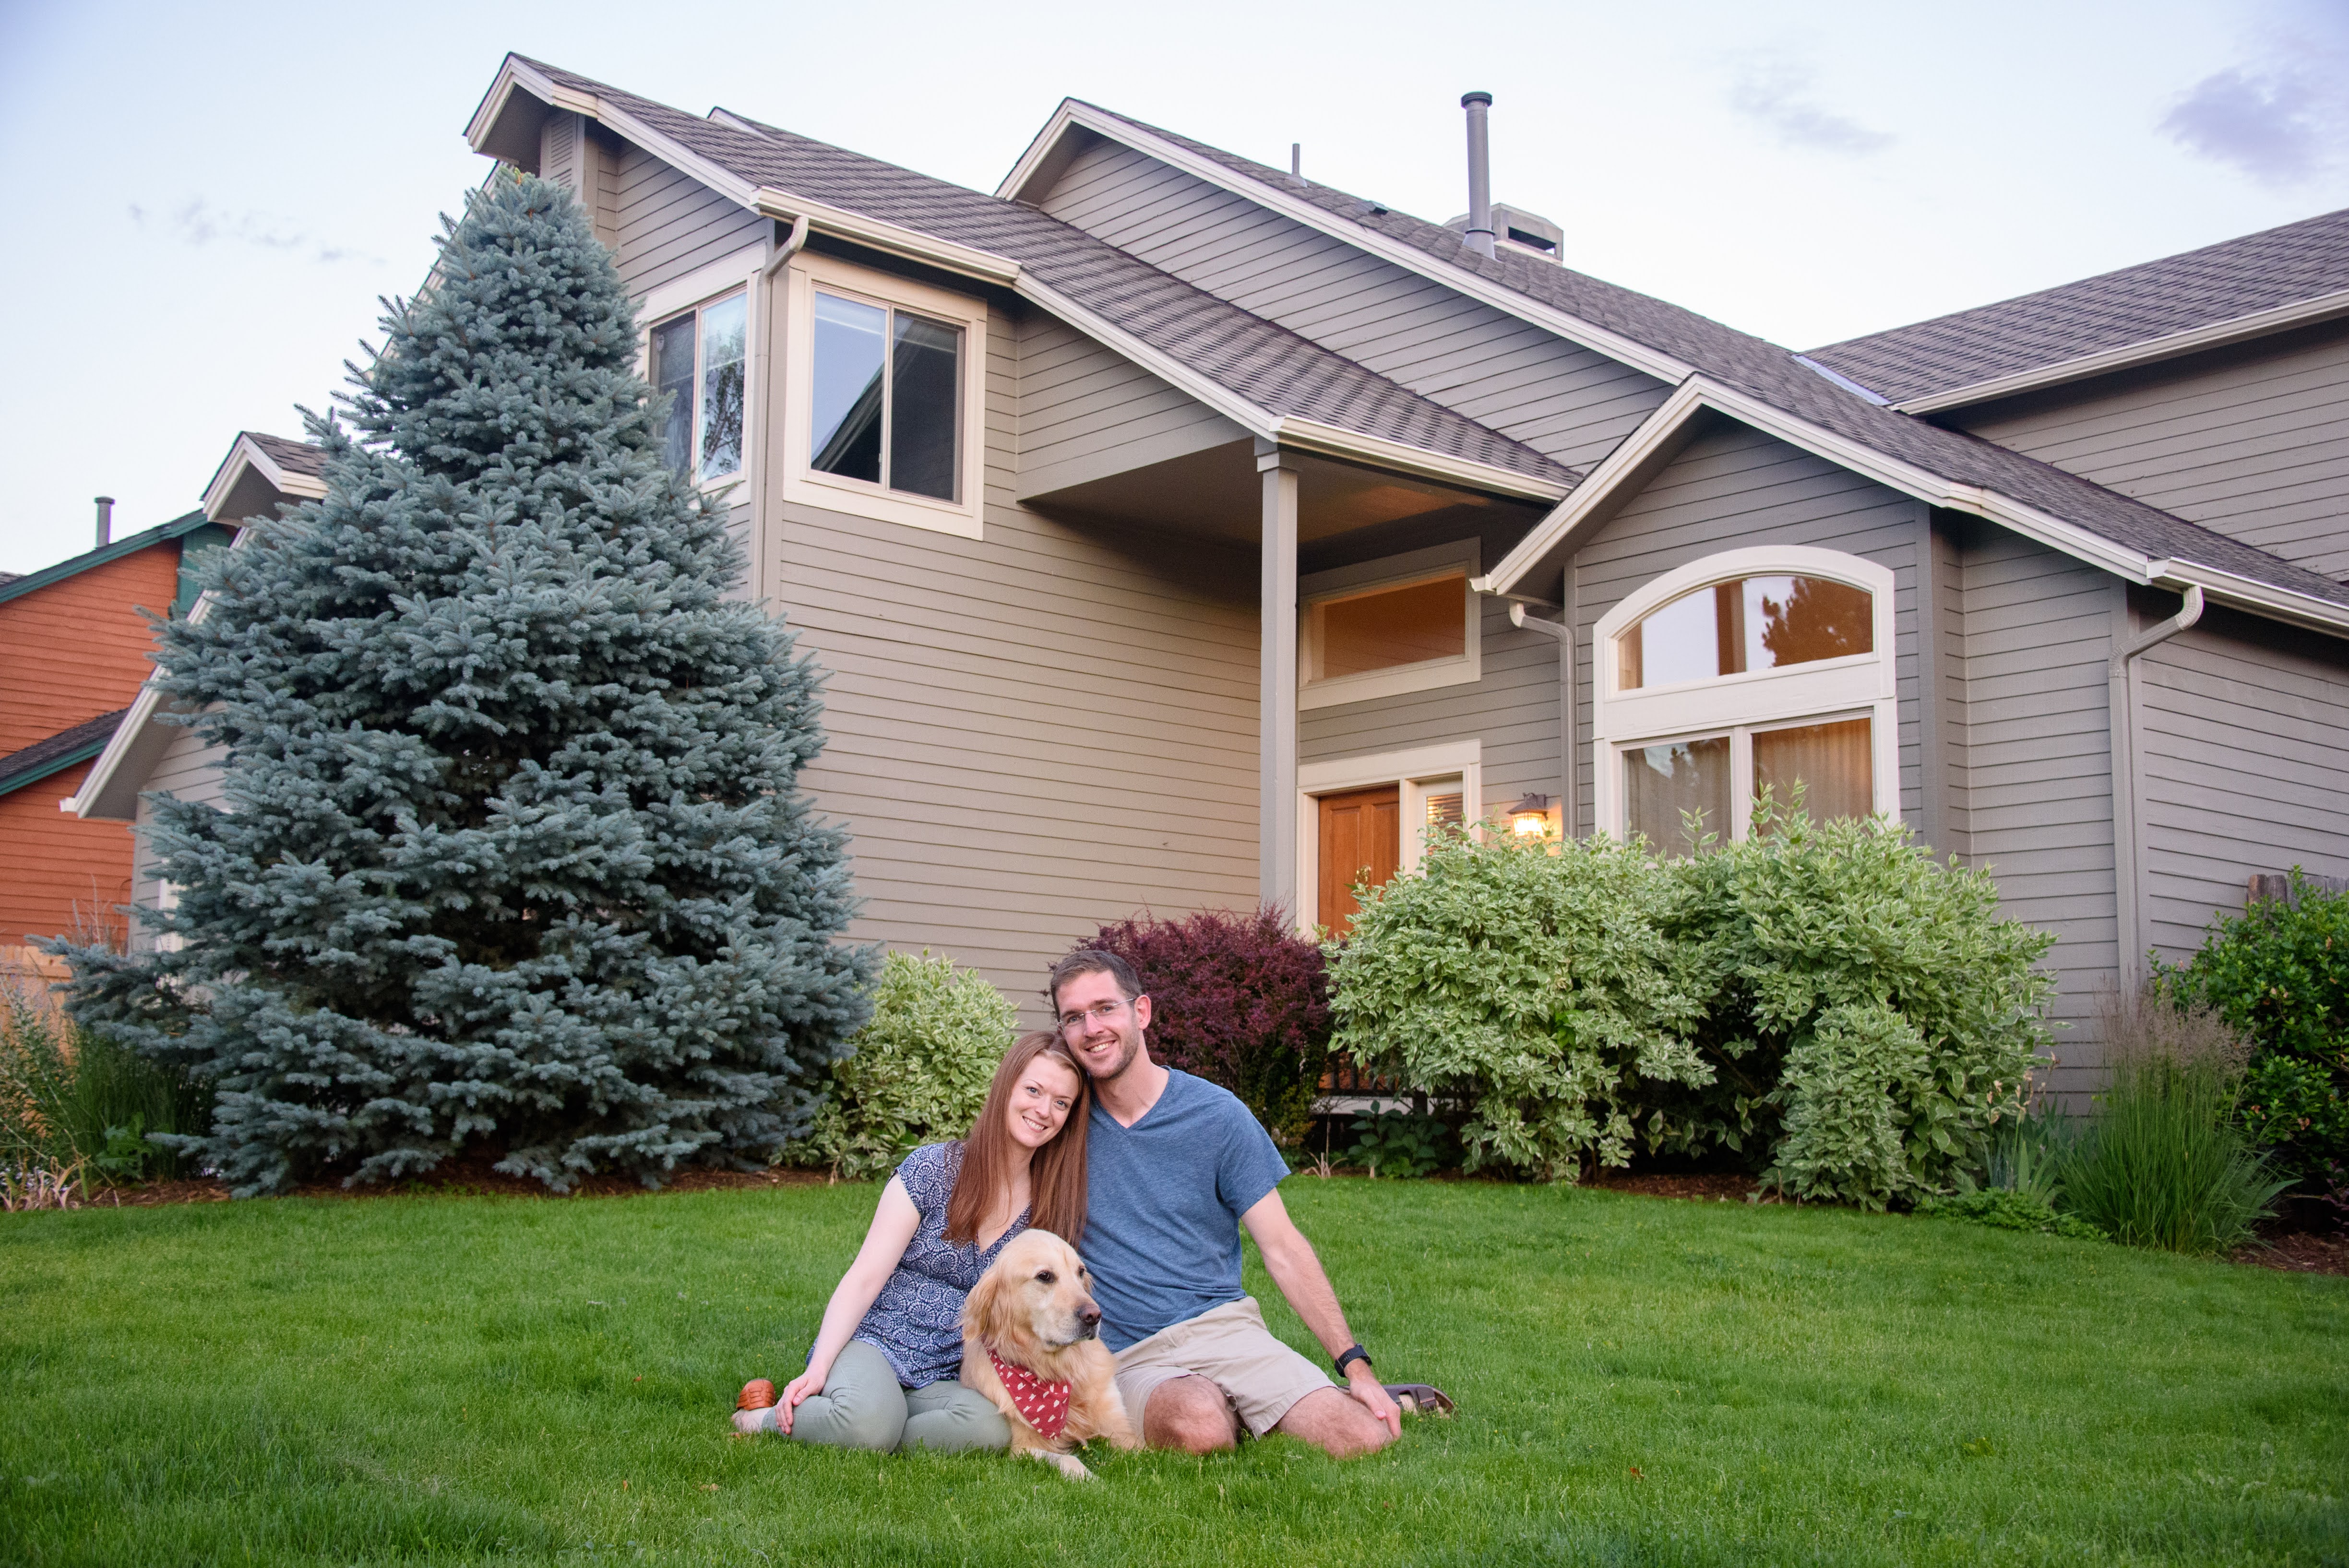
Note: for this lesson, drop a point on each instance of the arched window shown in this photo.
(1751, 669)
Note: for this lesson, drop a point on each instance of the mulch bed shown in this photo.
(463, 1180)
(2299, 1252)
(1702, 1188)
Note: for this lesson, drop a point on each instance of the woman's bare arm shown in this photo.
(895, 1221)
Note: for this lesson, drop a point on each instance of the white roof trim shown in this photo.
(1287, 430)
(772, 202)
(2259, 324)
(1500, 296)
(247, 453)
(135, 728)
(1697, 394)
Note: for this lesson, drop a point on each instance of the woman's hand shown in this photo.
(808, 1382)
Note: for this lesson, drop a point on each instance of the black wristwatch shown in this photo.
(1351, 1353)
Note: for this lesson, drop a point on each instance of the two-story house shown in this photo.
(1179, 532)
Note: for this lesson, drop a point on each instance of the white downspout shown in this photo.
(763, 379)
(1566, 817)
(2129, 856)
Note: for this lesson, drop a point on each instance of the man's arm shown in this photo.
(1289, 1258)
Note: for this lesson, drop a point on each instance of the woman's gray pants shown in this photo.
(862, 1406)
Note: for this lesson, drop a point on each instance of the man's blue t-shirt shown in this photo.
(1163, 1203)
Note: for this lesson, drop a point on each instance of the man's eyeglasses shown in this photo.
(1074, 1022)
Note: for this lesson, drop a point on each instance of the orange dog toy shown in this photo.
(757, 1394)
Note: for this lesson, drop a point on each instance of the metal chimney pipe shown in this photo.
(1479, 173)
(105, 520)
(1296, 162)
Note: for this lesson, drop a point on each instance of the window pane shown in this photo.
(1662, 782)
(1681, 642)
(844, 433)
(925, 387)
(722, 334)
(1390, 627)
(1795, 619)
(673, 373)
(1833, 763)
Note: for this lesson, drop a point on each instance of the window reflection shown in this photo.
(722, 336)
(1751, 623)
(673, 374)
(845, 404)
(1662, 784)
(1387, 627)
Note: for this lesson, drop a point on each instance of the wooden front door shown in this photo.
(1361, 840)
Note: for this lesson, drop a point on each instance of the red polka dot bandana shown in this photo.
(1044, 1402)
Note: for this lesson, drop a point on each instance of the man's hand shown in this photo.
(1363, 1383)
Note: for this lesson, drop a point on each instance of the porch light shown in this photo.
(1530, 816)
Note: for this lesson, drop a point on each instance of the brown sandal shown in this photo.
(757, 1394)
(1420, 1399)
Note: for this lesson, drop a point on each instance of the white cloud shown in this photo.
(2281, 116)
(1775, 92)
(196, 223)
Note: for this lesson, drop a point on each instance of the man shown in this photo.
(1174, 1166)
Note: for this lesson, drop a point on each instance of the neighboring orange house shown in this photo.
(74, 649)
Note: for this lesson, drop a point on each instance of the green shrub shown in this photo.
(2027, 1153)
(72, 1100)
(2279, 972)
(1871, 1019)
(1404, 1144)
(918, 1071)
(2004, 1208)
(2164, 1163)
(1530, 980)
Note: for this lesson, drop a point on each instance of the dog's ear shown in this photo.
(978, 1312)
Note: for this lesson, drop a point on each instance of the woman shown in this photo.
(883, 1371)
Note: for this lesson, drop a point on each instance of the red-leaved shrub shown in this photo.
(1239, 1000)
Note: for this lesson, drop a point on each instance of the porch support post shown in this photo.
(1277, 686)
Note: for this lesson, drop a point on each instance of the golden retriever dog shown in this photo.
(1030, 1342)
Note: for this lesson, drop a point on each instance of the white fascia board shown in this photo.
(1311, 436)
(1696, 394)
(1256, 421)
(2259, 324)
(247, 454)
(1500, 296)
(965, 260)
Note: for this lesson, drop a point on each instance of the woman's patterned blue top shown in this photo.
(917, 1320)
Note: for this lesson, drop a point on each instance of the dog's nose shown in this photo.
(1089, 1315)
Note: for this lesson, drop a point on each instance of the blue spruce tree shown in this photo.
(515, 860)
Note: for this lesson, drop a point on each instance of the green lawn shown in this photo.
(1640, 1381)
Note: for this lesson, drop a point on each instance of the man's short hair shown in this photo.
(1093, 961)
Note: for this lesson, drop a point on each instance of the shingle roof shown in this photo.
(305, 457)
(1772, 374)
(2219, 282)
(1269, 366)
(58, 752)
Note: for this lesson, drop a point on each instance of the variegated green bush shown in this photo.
(917, 1072)
(1535, 984)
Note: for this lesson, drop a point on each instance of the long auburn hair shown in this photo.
(1056, 1172)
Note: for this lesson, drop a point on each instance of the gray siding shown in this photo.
(1085, 413)
(1033, 732)
(2037, 762)
(1555, 397)
(2243, 742)
(1512, 707)
(2253, 442)
(1733, 487)
(669, 223)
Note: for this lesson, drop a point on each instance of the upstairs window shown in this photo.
(1384, 628)
(1753, 670)
(697, 358)
(887, 404)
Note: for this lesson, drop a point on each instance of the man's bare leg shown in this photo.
(1190, 1414)
(1332, 1420)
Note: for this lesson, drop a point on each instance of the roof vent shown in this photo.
(1527, 234)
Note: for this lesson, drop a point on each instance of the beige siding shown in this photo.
(669, 223)
(2242, 746)
(1033, 732)
(2253, 442)
(1085, 413)
(1555, 397)
(2037, 761)
(188, 770)
(1733, 487)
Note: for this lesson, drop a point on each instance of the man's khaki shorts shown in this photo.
(1230, 1346)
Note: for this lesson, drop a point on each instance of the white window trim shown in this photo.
(1829, 690)
(1393, 571)
(702, 286)
(833, 492)
(1413, 772)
